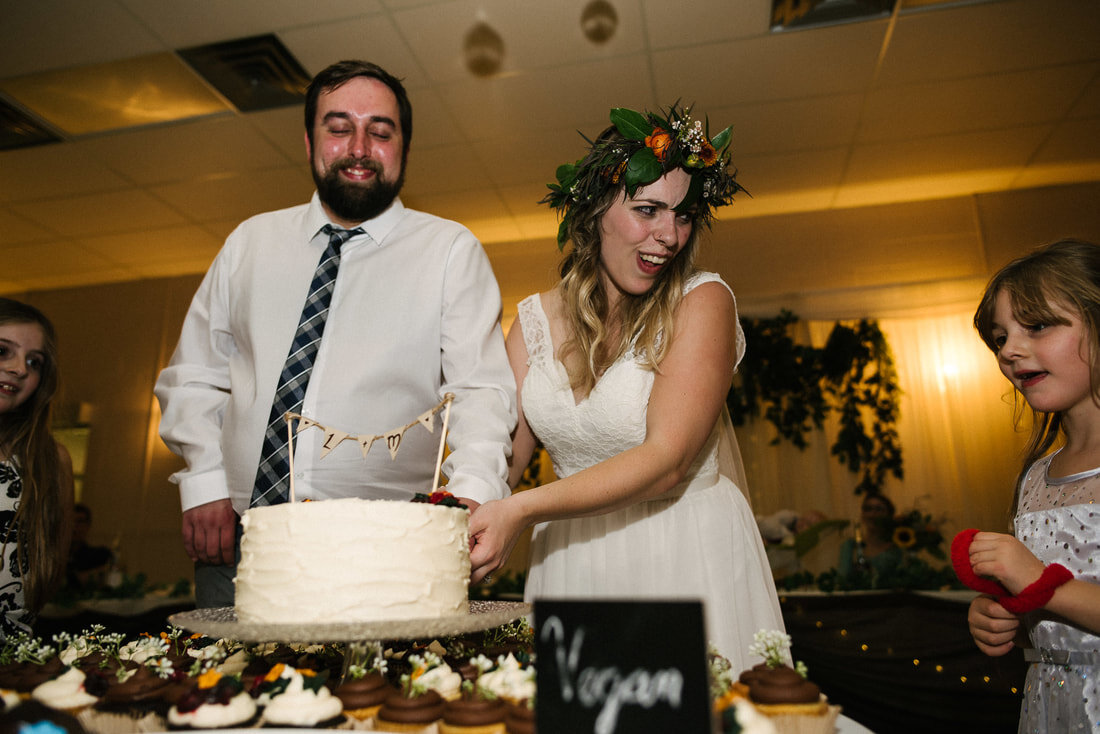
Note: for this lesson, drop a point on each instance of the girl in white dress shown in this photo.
(1041, 316)
(36, 485)
(622, 372)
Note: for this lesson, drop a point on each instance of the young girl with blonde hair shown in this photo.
(1040, 316)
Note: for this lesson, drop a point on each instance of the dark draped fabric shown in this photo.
(904, 662)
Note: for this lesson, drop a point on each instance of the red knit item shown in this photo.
(1029, 599)
(1039, 593)
(960, 559)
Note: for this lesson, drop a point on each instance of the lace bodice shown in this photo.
(611, 419)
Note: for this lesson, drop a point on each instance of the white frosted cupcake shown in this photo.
(216, 702)
(304, 701)
(65, 693)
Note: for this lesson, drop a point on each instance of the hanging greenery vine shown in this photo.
(795, 386)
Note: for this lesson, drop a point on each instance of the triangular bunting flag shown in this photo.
(428, 420)
(365, 442)
(333, 438)
(393, 440)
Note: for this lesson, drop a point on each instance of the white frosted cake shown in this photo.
(352, 560)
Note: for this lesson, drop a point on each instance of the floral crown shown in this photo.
(651, 145)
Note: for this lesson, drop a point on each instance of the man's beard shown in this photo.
(356, 202)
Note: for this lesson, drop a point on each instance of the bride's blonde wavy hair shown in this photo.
(645, 321)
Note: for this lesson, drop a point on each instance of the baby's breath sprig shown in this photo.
(772, 645)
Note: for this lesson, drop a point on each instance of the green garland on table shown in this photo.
(796, 386)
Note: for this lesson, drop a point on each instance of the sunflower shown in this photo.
(904, 537)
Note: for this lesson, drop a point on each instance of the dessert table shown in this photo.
(903, 661)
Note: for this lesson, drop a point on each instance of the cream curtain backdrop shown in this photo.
(961, 452)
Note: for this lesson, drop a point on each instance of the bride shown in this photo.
(623, 371)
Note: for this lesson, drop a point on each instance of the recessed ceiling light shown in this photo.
(145, 90)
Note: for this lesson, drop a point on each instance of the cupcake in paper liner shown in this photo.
(476, 711)
(412, 710)
(216, 702)
(364, 689)
(72, 692)
(784, 694)
(302, 701)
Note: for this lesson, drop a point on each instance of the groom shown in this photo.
(414, 314)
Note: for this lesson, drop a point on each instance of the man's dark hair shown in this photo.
(342, 72)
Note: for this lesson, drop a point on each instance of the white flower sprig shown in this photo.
(772, 645)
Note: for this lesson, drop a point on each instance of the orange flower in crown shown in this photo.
(659, 142)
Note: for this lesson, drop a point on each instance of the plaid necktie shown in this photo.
(272, 485)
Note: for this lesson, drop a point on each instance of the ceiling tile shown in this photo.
(370, 37)
(445, 169)
(786, 172)
(59, 259)
(497, 108)
(197, 22)
(975, 103)
(53, 171)
(125, 210)
(1071, 153)
(1089, 103)
(284, 128)
(238, 197)
(789, 126)
(214, 148)
(980, 38)
(14, 229)
(514, 160)
(155, 247)
(432, 121)
(463, 206)
(825, 61)
(1017, 221)
(671, 24)
(50, 34)
(1001, 150)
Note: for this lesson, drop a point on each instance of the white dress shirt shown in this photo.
(415, 314)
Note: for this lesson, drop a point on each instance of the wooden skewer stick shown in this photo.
(290, 451)
(442, 440)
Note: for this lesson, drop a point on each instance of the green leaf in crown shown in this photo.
(633, 125)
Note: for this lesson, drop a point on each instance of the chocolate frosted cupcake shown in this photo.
(137, 691)
(23, 677)
(520, 718)
(415, 713)
(791, 702)
(362, 697)
(472, 714)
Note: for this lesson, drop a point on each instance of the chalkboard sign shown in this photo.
(621, 666)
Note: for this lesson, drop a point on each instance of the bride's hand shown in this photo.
(494, 529)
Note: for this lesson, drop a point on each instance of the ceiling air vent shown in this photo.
(256, 73)
(20, 130)
(799, 14)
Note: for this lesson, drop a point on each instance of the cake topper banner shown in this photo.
(334, 437)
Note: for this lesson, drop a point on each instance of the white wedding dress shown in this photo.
(698, 541)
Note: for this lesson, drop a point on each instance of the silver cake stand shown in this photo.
(362, 640)
(223, 622)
